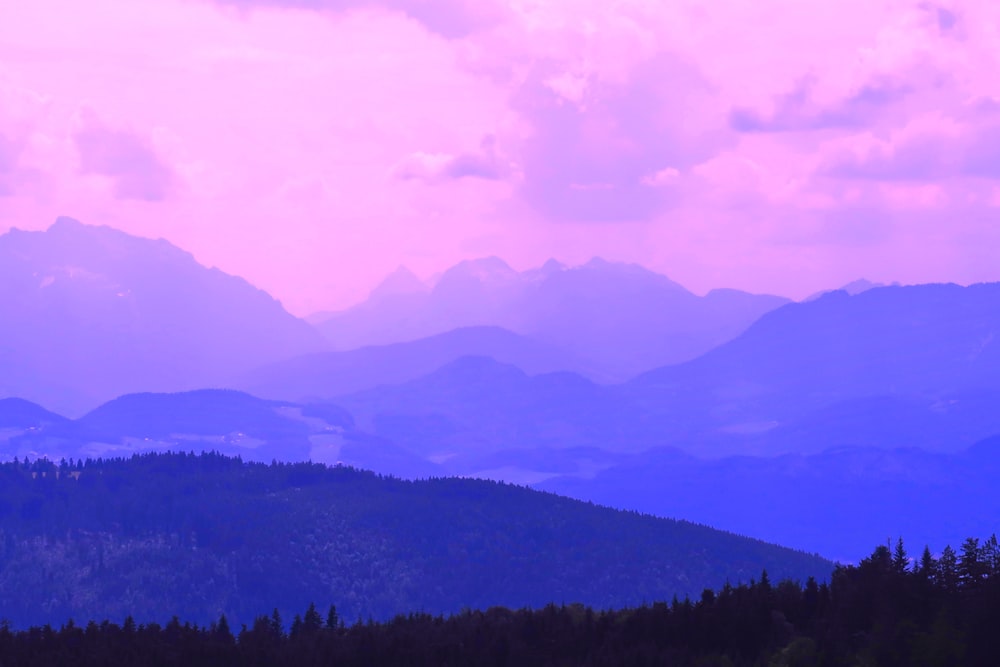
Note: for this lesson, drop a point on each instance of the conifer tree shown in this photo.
(900, 561)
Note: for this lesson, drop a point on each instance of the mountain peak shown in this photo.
(490, 269)
(632, 270)
(852, 288)
(860, 285)
(553, 266)
(601, 264)
(64, 222)
(400, 281)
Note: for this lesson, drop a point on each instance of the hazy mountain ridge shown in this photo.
(622, 318)
(92, 313)
(836, 502)
(925, 341)
(17, 413)
(890, 367)
(326, 375)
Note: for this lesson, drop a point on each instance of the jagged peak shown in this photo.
(552, 265)
(484, 269)
(64, 222)
(400, 281)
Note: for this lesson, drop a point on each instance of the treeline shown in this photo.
(885, 611)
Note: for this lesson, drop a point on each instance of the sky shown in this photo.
(312, 146)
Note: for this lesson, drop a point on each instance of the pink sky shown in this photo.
(312, 146)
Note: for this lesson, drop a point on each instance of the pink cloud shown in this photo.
(796, 111)
(590, 153)
(449, 18)
(129, 160)
(315, 145)
(946, 150)
(433, 167)
(9, 153)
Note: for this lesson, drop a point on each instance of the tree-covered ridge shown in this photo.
(936, 613)
(199, 535)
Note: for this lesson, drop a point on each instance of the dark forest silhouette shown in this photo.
(936, 612)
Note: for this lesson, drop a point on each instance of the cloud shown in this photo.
(980, 155)
(452, 19)
(796, 111)
(593, 146)
(928, 154)
(662, 178)
(22, 114)
(136, 170)
(947, 20)
(433, 167)
(923, 158)
(9, 153)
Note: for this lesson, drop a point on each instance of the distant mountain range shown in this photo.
(325, 375)
(95, 313)
(508, 375)
(889, 367)
(621, 319)
(165, 535)
(91, 313)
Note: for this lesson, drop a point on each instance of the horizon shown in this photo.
(312, 147)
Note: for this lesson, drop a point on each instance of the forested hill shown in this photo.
(160, 535)
(936, 613)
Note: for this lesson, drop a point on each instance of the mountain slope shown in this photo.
(161, 535)
(17, 413)
(925, 341)
(92, 313)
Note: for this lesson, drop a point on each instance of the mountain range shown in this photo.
(794, 409)
(620, 318)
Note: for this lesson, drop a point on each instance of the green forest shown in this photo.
(198, 536)
(887, 611)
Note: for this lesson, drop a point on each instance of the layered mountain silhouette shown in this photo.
(91, 313)
(490, 372)
(324, 375)
(887, 368)
(621, 318)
